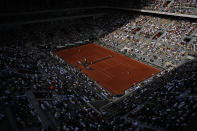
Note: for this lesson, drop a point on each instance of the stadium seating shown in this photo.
(167, 101)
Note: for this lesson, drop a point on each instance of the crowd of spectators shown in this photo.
(68, 101)
(159, 41)
(171, 6)
(171, 103)
(25, 67)
(18, 74)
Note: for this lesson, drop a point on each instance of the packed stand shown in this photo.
(171, 6)
(28, 68)
(158, 41)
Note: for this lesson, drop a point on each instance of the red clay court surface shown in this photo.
(116, 73)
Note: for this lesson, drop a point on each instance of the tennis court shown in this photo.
(113, 71)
